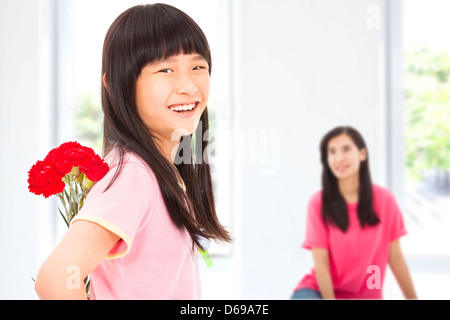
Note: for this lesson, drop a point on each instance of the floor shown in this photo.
(427, 245)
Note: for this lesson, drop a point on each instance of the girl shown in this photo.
(138, 232)
(353, 227)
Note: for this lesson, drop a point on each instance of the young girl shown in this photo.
(138, 232)
(353, 227)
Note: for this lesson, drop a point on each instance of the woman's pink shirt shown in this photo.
(358, 257)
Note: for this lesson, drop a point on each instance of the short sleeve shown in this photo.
(396, 224)
(316, 230)
(124, 207)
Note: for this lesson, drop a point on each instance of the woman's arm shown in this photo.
(323, 275)
(79, 252)
(400, 270)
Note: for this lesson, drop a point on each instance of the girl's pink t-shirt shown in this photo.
(154, 259)
(358, 258)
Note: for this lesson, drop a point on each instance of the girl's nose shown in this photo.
(187, 86)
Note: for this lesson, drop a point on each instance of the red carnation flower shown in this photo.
(46, 177)
(96, 169)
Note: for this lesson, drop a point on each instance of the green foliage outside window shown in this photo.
(427, 111)
(88, 124)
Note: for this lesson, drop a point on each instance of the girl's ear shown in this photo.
(104, 81)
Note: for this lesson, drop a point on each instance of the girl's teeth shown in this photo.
(183, 108)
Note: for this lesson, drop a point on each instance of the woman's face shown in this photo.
(171, 95)
(344, 157)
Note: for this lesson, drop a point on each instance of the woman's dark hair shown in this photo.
(334, 206)
(141, 35)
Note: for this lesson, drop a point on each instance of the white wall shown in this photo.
(24, 136)
(299, 68)
(302, 67)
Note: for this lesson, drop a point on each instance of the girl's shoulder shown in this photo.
(130, 159)
(131, 165)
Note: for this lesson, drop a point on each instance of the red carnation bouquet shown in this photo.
(69, 172)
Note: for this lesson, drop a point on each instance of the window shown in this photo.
(426, 133)
(82, 26)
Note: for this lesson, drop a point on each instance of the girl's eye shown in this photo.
(199, 68)
(166, 71)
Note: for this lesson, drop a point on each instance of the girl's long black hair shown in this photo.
(334, 206)
(139, 36)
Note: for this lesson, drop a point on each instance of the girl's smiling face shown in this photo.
(171, 95)
(344, 157)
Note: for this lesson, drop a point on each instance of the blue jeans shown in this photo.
(306, 294)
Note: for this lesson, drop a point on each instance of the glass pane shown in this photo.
(427, 139)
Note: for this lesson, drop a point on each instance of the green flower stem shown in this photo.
(72, 199)
(61, 197)
(87, 284)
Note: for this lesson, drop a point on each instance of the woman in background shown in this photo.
(353, 227)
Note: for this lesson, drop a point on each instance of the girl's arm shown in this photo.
(323, 275)
(400, 270)
(83, 247)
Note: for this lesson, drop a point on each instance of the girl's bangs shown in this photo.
(165, 34)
